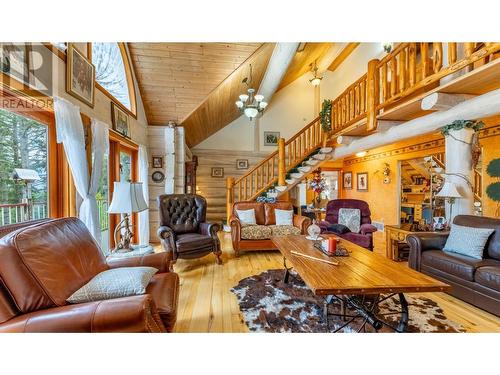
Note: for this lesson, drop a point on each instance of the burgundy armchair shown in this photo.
(364, 238)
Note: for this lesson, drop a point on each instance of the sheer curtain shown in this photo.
(143, 177)
(69, 129)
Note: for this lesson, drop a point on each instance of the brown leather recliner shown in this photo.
(183, 229)
(476, 281)
(42, 263)
(259, 236)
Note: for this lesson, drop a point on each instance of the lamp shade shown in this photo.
(127, 198)
(449, 190)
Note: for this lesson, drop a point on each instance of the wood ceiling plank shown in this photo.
(342, 56)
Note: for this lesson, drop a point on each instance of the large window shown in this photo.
(23, 168)
(113, 72)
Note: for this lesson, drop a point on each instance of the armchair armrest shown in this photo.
(160, 261)
(209, 229)
(301, 222)
(367, 229)
(420, 242)
(128, 314)
(167, 238)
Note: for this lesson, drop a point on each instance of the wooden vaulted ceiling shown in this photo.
(174, 78)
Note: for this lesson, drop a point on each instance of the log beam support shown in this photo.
(440, 101)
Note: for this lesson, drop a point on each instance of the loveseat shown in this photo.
(44, 262)
(258, 237)
(476, 281)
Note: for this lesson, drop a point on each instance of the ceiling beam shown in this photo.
(342, 56)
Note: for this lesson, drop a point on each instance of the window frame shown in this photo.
(130, 81)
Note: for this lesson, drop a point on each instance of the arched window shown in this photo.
(113, 73)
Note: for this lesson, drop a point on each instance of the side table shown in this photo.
(137, 250)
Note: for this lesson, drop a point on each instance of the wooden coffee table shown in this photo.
(360, 281)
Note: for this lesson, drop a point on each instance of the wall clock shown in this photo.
(158, 176)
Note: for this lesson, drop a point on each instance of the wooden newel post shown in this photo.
(372, 95)
(281, 162)
(229, 197)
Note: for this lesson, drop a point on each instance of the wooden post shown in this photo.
(229, 197)
(372, 95)
(281, 162)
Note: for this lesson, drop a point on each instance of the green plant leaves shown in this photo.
(493, 191)
(461, 124)
(326, 115)
(493, 168)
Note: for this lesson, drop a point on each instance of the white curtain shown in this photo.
(143, 177)
(69, 129)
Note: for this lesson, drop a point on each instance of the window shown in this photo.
(23, 145)
(113, 72)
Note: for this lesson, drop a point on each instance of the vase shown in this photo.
(313, 230)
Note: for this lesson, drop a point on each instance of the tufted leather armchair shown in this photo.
(183, 229)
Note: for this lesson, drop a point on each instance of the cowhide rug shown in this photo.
(269, 305)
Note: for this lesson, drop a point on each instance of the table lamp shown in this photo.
(127, 199)
(449, 191)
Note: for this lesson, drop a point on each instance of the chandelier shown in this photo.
(251, 104)
(316, 80)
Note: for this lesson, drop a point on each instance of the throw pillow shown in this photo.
(351, 218)
(247, 217)
(467, 241)
(114, 283)
(283, 217)
(338, 228)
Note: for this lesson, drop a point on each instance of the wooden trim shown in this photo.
(130, 81)
(344, 54)
(117, 137)
(56, 51)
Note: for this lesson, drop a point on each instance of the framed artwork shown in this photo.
(217, 172)
(157, 162)
(242, 164)
(271, 138)
(362, 181)
(158, 176)
(80, 76)
(347, 183)
(119, 119)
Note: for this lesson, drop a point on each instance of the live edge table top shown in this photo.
(362, 272)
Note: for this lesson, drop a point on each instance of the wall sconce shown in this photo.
(387, 47)
(361, 154)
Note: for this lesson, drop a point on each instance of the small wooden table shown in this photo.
(361, 274)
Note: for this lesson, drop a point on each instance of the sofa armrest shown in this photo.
(160, 261)
(128, 314)
(367, 229)
(235, 225)
(209, 229)
(301, 222)
(420, 242)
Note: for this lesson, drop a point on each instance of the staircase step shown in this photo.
(322, 156)
(290, 181)
(297, 176)
(312, 162)
(326, 150)
(304, 169)
(281, 188)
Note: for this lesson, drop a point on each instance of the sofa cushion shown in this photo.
(164, 288)
(488, 276)
(469, 241)
(455, 264)
(283, 217)
(284, 230)
(269, 210)
(114, 283)
(255, 232)
(260, 216)
(338, 228)
(192, 241)
(351, 218)
(247, 217)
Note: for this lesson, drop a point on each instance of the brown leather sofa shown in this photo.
(43, 262)
(264, 216)
(476, 281)
(184, 231)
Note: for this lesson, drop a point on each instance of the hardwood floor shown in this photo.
(206, 303)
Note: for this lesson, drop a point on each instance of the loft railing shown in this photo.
(350, 106)
(273, 169)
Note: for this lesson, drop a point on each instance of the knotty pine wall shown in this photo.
(214, 188)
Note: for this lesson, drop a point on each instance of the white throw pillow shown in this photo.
(351, 218)
(283, 217)
(467, 241)
(114, 283)
(247, 217)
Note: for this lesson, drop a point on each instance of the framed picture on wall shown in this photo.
(217, 172)
(242, 164)
(157, 162)
(347, 183)
(362, 181)
(80, 76)
(271, 138)
(119, 118)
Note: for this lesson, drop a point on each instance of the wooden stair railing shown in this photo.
(273, 169)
